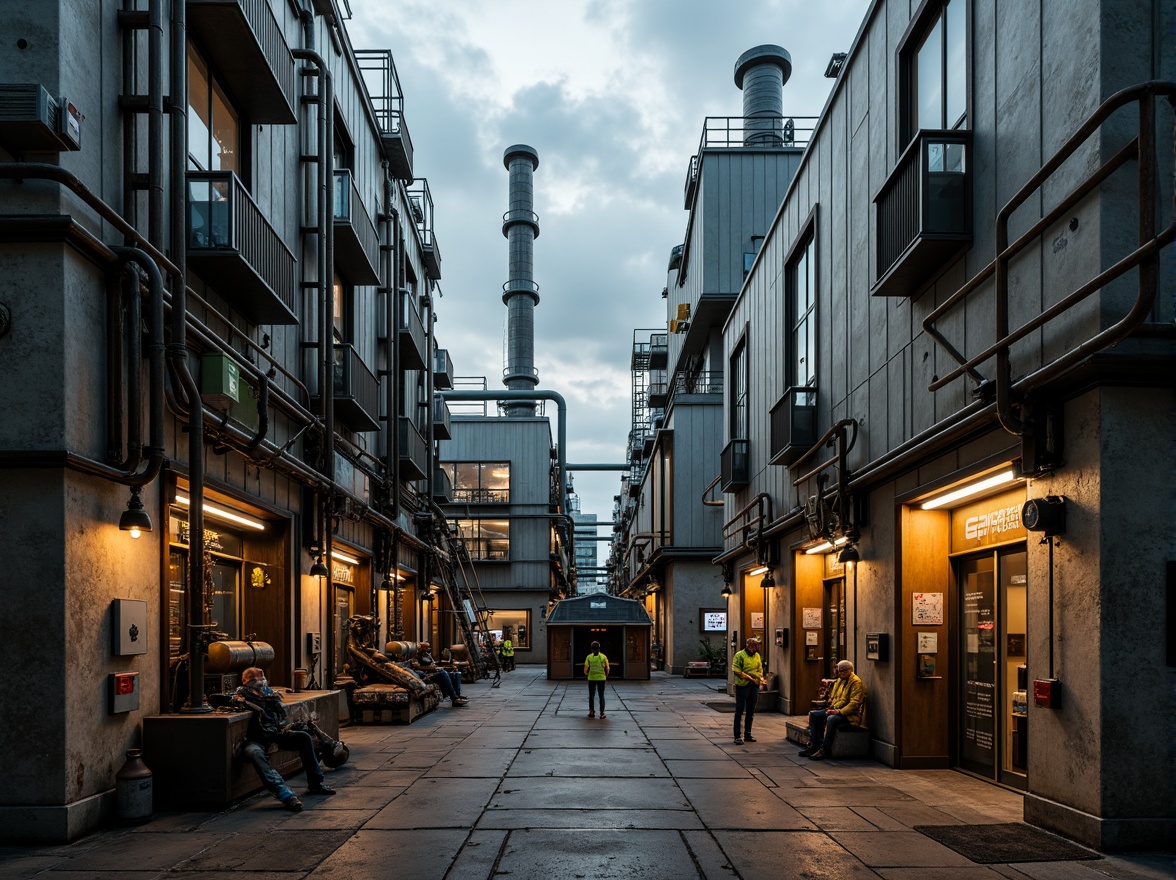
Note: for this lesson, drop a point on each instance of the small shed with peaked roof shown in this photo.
(622, 626)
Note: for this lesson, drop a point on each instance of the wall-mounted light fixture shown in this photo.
(726, 592)
(826, 546)
(226, 515)
(848, 554)
(135, 519)
(992, 481)
(319, 570)
(768, 582)
(343, 557)
(758, 570)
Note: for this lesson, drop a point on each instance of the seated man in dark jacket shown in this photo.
(270, 726)
(449, 683)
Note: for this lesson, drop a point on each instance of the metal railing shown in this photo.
(350, 209)
(222, 216)
(1146, 254)
(749, 132)
(411, 331)
(926, 194)
(354, 381)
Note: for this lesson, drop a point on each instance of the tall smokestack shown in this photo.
(520, 225)
(761, 73)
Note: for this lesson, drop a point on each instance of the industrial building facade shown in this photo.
(947, 432)
(217, 331)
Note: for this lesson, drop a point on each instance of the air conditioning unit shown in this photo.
(33, 120)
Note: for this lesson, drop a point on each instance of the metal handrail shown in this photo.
(1143, 147)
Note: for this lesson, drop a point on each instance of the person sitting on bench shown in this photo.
(270, 728)
(448, 683)
(846, 700)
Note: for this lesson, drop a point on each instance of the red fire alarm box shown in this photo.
(1047, 693)
(124, 692)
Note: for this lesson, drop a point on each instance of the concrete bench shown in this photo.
(696, 668)
(849, 742)
(197, 759)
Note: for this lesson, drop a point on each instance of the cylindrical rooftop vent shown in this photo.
(520, 293)
(761, 73)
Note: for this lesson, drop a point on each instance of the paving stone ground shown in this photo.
(519, 784)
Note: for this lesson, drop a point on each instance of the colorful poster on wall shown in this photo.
(927, 609)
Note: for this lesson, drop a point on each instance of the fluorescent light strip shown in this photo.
(343, 557)
(763, 569)
(220, 513)
(826, 546)
(992, 482)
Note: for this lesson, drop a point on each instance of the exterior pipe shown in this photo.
(178, 359)
(326, 336)
(155, 360)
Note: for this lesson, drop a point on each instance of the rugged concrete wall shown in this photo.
(1101, 769)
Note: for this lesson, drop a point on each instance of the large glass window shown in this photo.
(486, 539)
(513, 624)
(479, 482)
(937, 70)
(214, 127)
(802, 315)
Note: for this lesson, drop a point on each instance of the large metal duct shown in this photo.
(520, 225)
(761, 73)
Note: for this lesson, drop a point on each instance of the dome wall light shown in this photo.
(135, 519)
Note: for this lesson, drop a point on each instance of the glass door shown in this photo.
(834, 634)
(993, 599)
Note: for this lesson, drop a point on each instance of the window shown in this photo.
(801, 280)
(486, 539)
(214, 127)
(934, 65)
(513, 624)
(738, 381)
(479, 482)
(342, 310)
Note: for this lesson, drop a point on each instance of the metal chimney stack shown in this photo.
(520, 225)
(761, 73)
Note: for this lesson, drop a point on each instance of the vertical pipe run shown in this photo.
(520, 294)
(761, 73)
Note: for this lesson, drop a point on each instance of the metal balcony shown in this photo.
(659, 351)
(421, 202)
(736, 466)
(383, 88)
(442, 486)
(924, 212)
(357, 244)
(357, 391)
(234, 249)
(414, 459)
(442, 370)
(793, 425)
(658, 395)
(410, 334)
(442, 419)
(244, 43)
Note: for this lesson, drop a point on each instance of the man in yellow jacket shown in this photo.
(847, 698)
(748, 667)
(596, 668)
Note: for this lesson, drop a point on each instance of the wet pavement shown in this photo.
(520, 784)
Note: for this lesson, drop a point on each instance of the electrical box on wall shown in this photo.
(314, 643)
(128, 626)
(1047, 693)
(123, 692)
(878, 647)
(781, 637)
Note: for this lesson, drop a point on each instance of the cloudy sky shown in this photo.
(612, 94)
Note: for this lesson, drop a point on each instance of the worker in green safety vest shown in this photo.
(507, 654)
